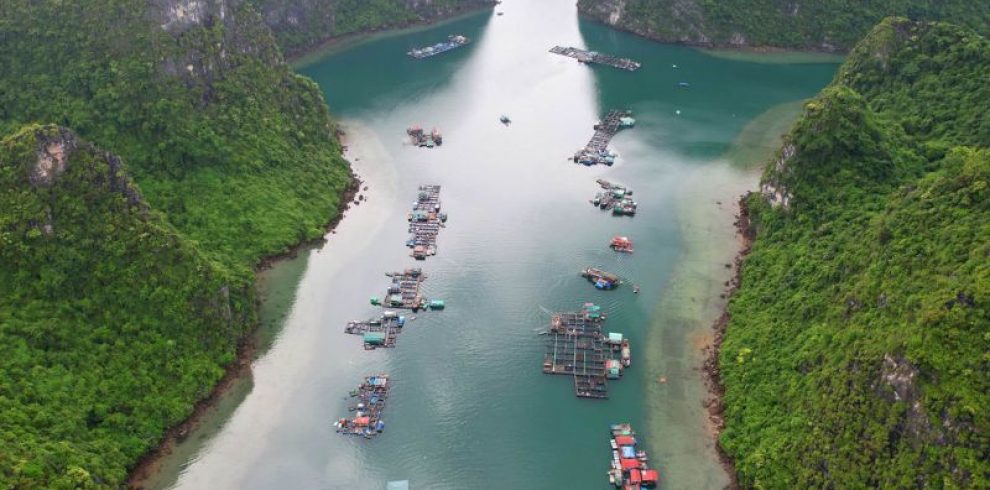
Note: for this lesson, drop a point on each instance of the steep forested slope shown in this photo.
(300, 24)
(111, 324)
(858, 350)
(221, 136)
(120, 307)
(829, 25)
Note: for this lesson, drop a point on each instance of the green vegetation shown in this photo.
(805, 24)
(220, 135)
(301, 24)
(858, 350)
(120, 308)
(113, 324)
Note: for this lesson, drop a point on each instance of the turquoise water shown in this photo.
(470, 407)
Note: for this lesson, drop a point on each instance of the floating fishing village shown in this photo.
(596, 151)
(453, 41)
(630, 466)
(616, 198)
(576, 343)
(577, 346)
(425, 221)
(419, 137)
(584, 56)
(367, 420)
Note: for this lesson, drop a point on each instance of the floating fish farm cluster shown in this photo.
(616, 198)
(419, 137)
(577, 346)
(596, 151)
(425, 221)
(630, 466)
(367, 420)
(452, 42)
(589, 57)
(380, 331)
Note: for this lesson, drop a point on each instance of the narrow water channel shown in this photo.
(470, 407)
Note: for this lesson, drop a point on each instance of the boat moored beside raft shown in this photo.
(601, 279)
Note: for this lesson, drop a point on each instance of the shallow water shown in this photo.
(470, 407)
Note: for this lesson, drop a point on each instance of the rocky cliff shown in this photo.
(821, 25)
(302, 24)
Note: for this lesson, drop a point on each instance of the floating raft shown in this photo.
(630, 466)
(452, 42)
(601, 279)
(596, 151)
(577, 346)
(419, 137)
(596, 57)
(367, 420)
(425, 221)
(378, 332)
(404, 290)
(615, 198)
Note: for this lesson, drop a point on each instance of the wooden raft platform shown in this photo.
(585, 56)
(425, 221)
(382, 331)
(404, 290)
(368, 407)
(596, 151)
(577, 346)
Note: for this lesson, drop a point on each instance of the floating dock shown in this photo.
(630, 466)
(601, 279)
(596, 151)
(615, 198)
(425, 221)
(452, 42)
(404, 291)
(584, 56)
(381, 331)
(369, 404)
(419, 137)
(577, 346)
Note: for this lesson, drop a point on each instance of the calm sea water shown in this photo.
(470, 407)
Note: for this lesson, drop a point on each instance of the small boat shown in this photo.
(499, 13)
(505, 119)
(621, 244)
(437, 137)
(683, 84)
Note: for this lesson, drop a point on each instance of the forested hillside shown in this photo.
(301, 24)
(113, 324)
(122, 301)
(221, 136)
(826, 25)
(858, 350)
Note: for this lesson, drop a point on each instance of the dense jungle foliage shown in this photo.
(858, 350)
(111, 324)
(807, 24)
(300, 24)
(220, 135)
(120, 308)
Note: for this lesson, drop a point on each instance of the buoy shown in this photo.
(678, 112)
